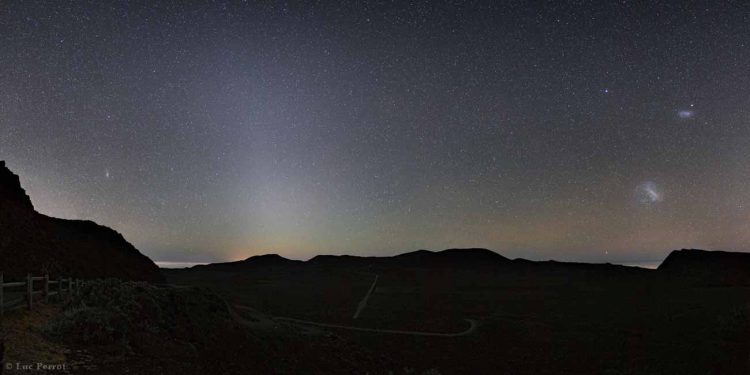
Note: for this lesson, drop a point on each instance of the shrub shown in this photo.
(111, 311)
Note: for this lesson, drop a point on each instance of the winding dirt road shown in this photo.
(261, 320)
(473, 324)
(363, 302)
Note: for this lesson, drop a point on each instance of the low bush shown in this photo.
(114, 312)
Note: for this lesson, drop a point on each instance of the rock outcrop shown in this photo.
(31, 242)
(707, 267)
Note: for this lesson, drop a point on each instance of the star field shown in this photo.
(592, 131)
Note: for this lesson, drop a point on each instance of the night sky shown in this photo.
(593, 131)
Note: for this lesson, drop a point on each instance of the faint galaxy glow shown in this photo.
(219, 130)
(649, 193)
(685, 114)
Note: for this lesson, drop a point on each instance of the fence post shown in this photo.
(29, 289)
(59, 288)
(2, 301)
(46, 288)
(70, 287)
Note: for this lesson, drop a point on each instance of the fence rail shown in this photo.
(32, 287)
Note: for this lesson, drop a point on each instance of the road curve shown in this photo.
(473, 324)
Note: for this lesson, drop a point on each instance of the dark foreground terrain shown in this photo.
(125, 327)
(453, 312)
(531, 317)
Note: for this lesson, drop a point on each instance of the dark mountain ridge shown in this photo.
(256, 261)
(31, 242)
(453, 258)
(696, 266)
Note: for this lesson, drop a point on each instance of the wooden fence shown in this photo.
(40, 287)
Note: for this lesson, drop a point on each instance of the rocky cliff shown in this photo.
(31, 242)
(708, 267)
